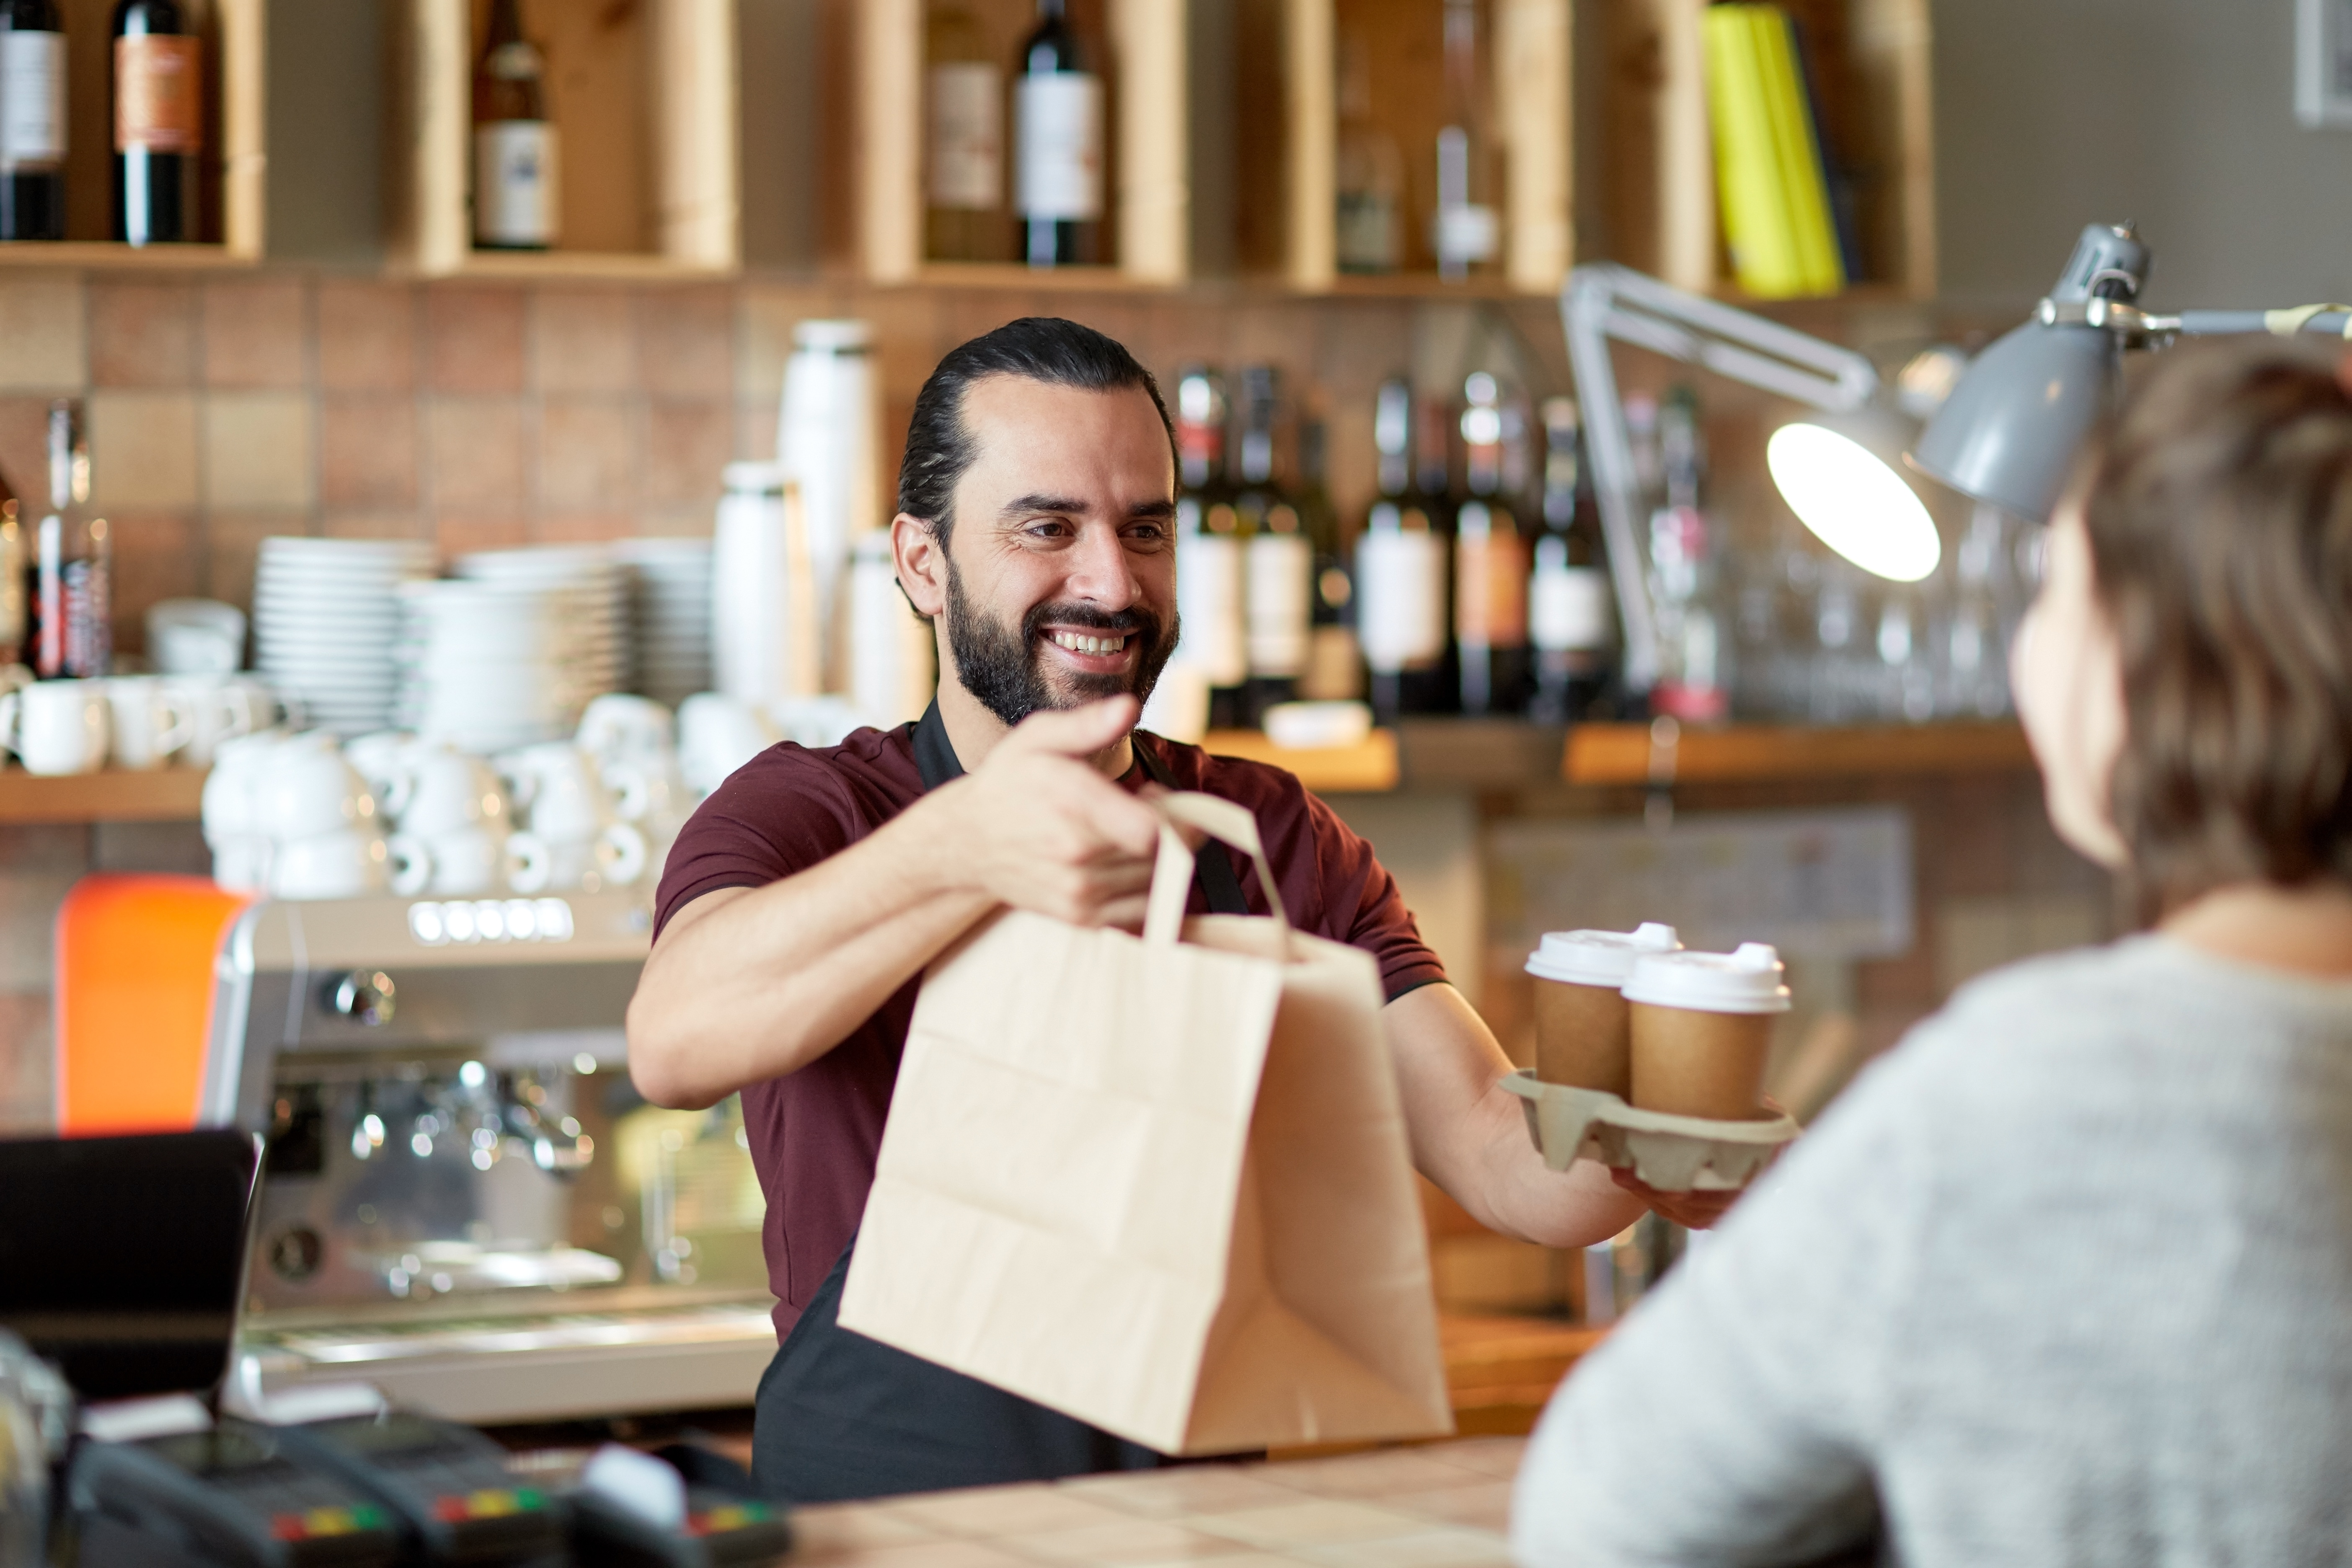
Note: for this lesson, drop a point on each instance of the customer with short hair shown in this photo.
(2068, 1277)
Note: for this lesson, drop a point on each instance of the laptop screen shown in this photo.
(122, 1259)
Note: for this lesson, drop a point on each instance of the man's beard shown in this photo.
(1005, 669)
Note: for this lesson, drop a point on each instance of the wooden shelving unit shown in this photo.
(166, 794)
(233, 193)
(1874, 64)
(1528, 74)
(1368, 767)
(643, 97)
(1148, 200)
(1635, 755)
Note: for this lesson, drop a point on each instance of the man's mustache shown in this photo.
(1087, 615)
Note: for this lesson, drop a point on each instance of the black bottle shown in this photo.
(32, 121)
(1058, 145)
(159, 120)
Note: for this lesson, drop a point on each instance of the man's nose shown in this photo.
(1100, 572)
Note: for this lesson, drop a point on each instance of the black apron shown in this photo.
(842, 1416)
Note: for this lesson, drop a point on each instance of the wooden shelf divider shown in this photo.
(117, 794)
(646, 107)
(1623, 754)
(1146, 189)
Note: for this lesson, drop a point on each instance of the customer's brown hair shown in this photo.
(2220, 508)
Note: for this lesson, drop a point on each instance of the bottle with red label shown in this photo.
(70, 604)
(159, 120)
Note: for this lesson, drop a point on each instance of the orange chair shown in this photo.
(134, 997)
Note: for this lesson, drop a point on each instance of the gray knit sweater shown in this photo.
(2065, 1279)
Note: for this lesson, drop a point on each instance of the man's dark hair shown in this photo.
(939, 447)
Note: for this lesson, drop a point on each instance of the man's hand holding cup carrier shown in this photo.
(1630, 1016)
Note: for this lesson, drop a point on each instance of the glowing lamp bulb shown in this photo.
(1854, 501)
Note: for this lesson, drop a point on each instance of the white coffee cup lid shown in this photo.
(1598, 957)
(1746, 981)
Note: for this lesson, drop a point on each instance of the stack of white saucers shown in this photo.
(671, 615)
(326, 613)
(596, 588)
(489, 665)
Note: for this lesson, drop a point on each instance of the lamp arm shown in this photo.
(1602, 302)
(2136, 328)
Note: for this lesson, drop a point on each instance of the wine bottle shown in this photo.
(1693, 667)
(1466, 229)
(964, 214)
(1368, 171)
(1334, 663)
(159, 120)
(1279, 577)
(1569, 622)
(1060, 148)
(70, 631)
(1490, 562)
(517, 189)
(1209, 550)
(32, 121)
(11, 577)
(1400, 565)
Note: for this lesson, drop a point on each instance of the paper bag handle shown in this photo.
(1172, 876)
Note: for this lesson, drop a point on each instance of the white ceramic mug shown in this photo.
(148, 721)
(386, 759)
(718, 734)
(311, 791)
(450, 792)
(529, 863)
(232, 795)
(241, 862)
(56, 727)
(618, 727)
(345, 863)
(408, 865)
(221, 708)
(468, 862)
(195, 637)
(558, 785)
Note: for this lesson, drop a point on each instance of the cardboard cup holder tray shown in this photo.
(1668, 1154)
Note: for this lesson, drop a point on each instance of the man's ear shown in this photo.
(922, 563)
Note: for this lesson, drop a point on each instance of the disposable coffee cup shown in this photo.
(1701, 1030)
(1581, 1014)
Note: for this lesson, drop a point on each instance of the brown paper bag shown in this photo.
(1161, 1186)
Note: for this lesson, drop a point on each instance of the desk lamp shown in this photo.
(1838, 468)
(2009, 432)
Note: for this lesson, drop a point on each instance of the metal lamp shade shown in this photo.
(2009, 432)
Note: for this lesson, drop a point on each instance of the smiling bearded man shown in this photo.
(1035, 530)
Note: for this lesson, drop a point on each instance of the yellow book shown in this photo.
(1797, 141)
(1750, 181)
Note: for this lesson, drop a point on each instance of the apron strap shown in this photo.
(1212, 869)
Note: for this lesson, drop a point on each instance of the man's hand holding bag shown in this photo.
(1161, 1184)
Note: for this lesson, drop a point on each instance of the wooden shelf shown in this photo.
(1368, 767)
(1623, 753)
(1874, 64)
(166, 794)
(1147, 219)
(643, 97)
(232, 187)
(1530, 88)
(1014, 275)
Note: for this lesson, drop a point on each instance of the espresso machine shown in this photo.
(464, 1202)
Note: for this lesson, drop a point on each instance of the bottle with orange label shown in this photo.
(1490, 559)
(159, 120)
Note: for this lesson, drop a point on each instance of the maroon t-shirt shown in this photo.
(815, 1133)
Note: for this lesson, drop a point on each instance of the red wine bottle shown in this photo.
(159, 120)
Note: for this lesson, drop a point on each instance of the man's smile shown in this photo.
(1092, 652)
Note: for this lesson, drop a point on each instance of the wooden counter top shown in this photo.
(1446, 1505)
(115, 795)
